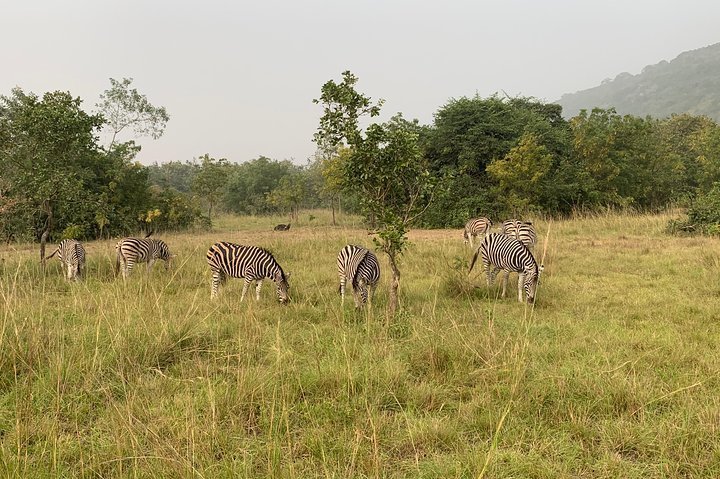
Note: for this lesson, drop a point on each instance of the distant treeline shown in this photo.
(498, 157)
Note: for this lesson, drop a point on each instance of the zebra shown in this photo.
(135, 250)
(475, 227)
(505, 252)
(249, 262)
(361, 267)
(523, 231)
(282, 227)
(71, 254)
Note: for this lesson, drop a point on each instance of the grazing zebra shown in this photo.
(282, 227)
(72, 256)
(523, 231)
(361, 267)
(475, 227)
(248, 262)
(504, 252)
(134, 250)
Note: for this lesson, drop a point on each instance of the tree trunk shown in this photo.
(393, 304)
(332, 204)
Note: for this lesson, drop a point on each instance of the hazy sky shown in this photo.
(238, 77)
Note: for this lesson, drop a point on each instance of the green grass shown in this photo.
(613, 373)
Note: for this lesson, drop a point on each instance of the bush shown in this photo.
(703, 215)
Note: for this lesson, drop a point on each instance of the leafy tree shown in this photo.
(171, 210)
(49, 148)
(210, 180)
(126, 108)
(470, 133)
(522, 175)
(173, 174)
(251, 182)
(386, 168)
(289, 194)
(329, 167)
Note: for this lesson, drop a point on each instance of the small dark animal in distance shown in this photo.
(282, 227)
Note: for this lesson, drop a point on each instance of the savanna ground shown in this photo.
(613, 373)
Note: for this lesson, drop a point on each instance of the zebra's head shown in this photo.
(169, 261)
(283, 287)
(531, 281)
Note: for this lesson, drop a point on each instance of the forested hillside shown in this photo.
(688, 84)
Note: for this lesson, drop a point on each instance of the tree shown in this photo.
(386, 168)
(327, 169)
(251, 182)
(210, 180)
(470, 133)
(125, 108)
(522, 174)
(289, 194)
(48, 155)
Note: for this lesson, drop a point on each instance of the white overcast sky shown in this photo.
(238, 77)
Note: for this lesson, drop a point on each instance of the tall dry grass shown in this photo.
(613, 373)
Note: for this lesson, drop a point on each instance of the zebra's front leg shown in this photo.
(149, 265)
(521, 286)
(245, 288)
(257, 289)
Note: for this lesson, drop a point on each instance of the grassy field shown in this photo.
(613, 373)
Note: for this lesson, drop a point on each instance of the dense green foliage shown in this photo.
(519, 157)
(687, 84)
(496, 157)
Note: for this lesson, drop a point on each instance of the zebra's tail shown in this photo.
(472, 263)
(117, 259)
(53, 253)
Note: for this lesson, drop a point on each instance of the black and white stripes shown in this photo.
(504, 252)
(134, 250)
(476, 227)
(360, 266)
(248, 262)
(71, 254)
(523, 231)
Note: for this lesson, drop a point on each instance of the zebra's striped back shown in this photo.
(361, 267)
(500, 251)
(135, 250)
(249, 262)
(523, 231)
(476, 227)
(71, 254)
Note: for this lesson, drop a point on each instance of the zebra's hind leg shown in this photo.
(505, 283)
(258, 285)
(218, 277)
(342, 289)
